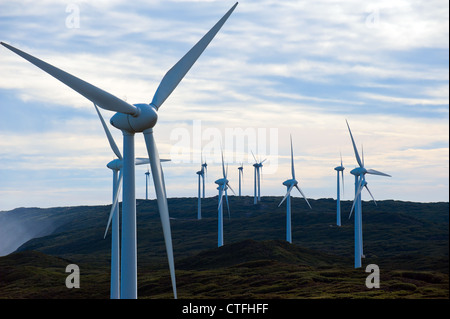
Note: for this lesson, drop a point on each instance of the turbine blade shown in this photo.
(223, 168)
(226, 173)
(303, 196)
(358, 159)
(111, 141)
(370, 194)
(228, 185)
(362, 154)
(96, 95)
(358, 192)
(374, 172)
(292, 161)
(228, 205)
(287, 194)
(158, 181)
(220, 196)
(342, 175)
(141, 161)
(254, 157)
(179, 70)
(114, 204)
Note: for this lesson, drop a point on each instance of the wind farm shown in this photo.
(275, 101)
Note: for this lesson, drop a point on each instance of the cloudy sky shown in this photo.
(275, 69)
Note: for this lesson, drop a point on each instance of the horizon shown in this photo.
(231, 195)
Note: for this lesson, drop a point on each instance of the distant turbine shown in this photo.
(290, 184)
(338, 208)
(201, 174)
(131, 119)
(205, 172)
(257, 186)
(223, 187)
(147, 177)
(360, 182)
(241, 176)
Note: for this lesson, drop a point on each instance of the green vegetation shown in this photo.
(408, 241)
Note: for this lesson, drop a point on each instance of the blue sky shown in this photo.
(276, 68)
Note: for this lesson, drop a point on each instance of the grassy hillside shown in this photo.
(408, 241)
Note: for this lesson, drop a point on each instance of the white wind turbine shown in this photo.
(360, 183)
(201, 174)
(147, 178)
(338, 205)
(131, 119)
(257, 186)
(290, 184)
(205, 172)
(241, 176)
(223, 187)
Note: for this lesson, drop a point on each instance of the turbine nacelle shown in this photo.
(358, 171)
(339, 168)
(221, 181)
(115, 164)
(290, 182)
(145, 119)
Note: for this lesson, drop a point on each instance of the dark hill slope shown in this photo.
(250, 250)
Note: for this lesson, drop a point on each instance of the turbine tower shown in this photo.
(131, 119)
(205, 172)
(360, 183)
(338, 205)
(241, 176)
(290, 184)
(222, 187)
(257, 186)
(116, 166)
(147, 177)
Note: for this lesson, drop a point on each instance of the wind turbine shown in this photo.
(338, 205)
(257, 187)
(205, 172)
(147, 177)
(360, 183)
(201, 174)
(131, 119)
(290, 184)
(222, 187)
(241, 176)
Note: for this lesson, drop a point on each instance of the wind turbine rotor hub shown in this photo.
(146, 119)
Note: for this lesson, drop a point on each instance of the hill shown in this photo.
(409, 242)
